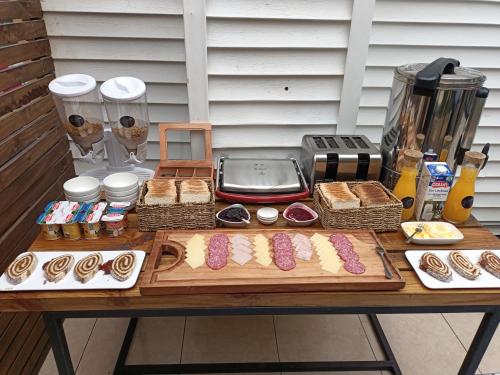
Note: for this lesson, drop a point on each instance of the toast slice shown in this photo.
(161, 191)
(370, 194)
(339, 196)
(194, 191)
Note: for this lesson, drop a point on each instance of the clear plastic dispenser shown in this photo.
(126, 106)
(77, 101)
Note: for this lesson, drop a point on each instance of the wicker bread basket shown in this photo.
(176, 216)
(381, 218)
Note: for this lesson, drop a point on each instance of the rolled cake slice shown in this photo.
(435, 267)
(56, 269)
(86, 268)
(122, 267)
(490, 262)
(464, 267)
(22, 268)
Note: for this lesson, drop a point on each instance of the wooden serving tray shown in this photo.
(169, 274)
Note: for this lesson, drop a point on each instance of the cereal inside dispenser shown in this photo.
(77, 101)
(126, 106)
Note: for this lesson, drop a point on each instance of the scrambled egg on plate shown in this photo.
(432, 230)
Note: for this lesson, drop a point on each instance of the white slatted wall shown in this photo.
(276, 67)
(108, 38)
(275, 71)
(406, 31)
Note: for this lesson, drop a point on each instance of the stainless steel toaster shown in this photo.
(339, 158)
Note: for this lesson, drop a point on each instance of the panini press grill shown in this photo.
(260, 180)
(328, 158)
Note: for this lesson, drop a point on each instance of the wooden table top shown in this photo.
(414, 293)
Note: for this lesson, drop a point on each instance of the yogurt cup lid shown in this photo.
(112, 217)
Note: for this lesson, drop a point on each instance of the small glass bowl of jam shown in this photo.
(299, 215)
(234, 216)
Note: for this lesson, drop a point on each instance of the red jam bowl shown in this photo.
(299, 215)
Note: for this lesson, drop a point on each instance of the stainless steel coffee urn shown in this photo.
(434, 108)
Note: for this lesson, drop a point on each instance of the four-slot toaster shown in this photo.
(327, 158)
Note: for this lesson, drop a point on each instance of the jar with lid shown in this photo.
(77, 101)
(126, 106)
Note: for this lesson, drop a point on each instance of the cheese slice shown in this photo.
(328, 258)
(261, 250)
(196, 260)
(195, 251)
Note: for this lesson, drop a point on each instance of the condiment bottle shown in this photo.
(446, 148)
(406, 187)
(458, 206)
(419, 141)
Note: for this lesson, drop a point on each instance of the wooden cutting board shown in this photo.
(255, 278)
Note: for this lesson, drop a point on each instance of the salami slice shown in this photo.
(347, 255)
(355, 267)
(218, 251)
(285, 263)
(346, 252)
(216, 262)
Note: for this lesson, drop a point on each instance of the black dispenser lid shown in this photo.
(443, 73)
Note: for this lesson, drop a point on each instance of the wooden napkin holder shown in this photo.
(185, 169)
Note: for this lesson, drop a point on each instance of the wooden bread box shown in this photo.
(185, 169)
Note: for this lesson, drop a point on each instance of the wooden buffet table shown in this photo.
(414, 298)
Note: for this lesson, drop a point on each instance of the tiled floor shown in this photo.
(423, 344)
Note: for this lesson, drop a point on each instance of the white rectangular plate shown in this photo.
(37, 281)
(485, 280)
(432, 241)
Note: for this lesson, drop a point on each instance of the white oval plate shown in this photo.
(432, 241)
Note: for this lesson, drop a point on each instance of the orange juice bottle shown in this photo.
(406, 187)
(458, 206)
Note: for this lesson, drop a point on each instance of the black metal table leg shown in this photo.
(480, 343)
(384, 343)
(127, 341)
(55, 329)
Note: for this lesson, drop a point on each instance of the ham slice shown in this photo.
(242, 248)
(240, 241)
(241, 257)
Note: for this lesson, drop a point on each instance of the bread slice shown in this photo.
(57, 268)
(123, 266)
(338, 195)
(194, 191)
(161, 191)
(370, 194)
(22, 268)
(86, 268)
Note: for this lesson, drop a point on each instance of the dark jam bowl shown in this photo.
(229, 221)
(292, 218)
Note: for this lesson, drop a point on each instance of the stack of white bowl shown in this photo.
(82, 189)
(267, 215)
(121, 187)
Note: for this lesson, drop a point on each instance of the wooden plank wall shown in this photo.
(34, 163)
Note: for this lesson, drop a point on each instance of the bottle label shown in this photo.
(407, 202)
(467, 201)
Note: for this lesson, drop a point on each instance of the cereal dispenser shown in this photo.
(127, 110)
(77, 102)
